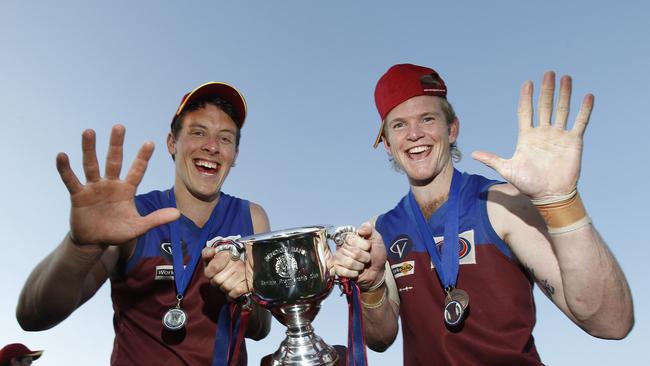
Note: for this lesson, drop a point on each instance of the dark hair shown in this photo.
(203, 102)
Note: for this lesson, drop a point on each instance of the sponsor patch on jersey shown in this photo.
(403, 269)
(218, 239)
(466, 247)
(401, 246)
(164, 272)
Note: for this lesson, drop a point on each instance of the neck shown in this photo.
(193, 208)
(432, 195)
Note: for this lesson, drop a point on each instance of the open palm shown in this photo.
(547, 159)
(103, 210)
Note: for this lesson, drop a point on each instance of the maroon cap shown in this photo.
(14, 350)
(402, 82)
(222, 90)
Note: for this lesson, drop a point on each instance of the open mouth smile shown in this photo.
(206, 167)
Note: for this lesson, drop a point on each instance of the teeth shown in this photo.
(207, 164)
(418, 149)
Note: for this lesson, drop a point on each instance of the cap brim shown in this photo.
(220, 89)
(35, 355)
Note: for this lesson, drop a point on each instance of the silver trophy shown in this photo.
(291, 279)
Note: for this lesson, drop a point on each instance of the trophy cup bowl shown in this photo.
(290, 278)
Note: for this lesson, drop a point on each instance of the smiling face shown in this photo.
(418, 136)
(204, 150)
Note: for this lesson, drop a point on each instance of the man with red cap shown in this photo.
(460, 253)
(150, 245)
(17, 354)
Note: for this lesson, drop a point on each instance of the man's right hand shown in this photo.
(103, 210)
(362, 256)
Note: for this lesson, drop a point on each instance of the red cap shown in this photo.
(402, 82)
(14, 350)
(222, 90)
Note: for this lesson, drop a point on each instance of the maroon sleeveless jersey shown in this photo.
(145, 291)
(497, 329)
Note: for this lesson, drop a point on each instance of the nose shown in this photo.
(414, 132)
(211, 145)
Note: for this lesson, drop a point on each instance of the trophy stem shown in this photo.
(302, 346)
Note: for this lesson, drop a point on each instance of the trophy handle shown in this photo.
(340, 233)
(237, 250)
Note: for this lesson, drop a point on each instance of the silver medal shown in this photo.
(175, 319)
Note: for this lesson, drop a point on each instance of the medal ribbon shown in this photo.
(446, 260)
(356, 353)
(183, 274)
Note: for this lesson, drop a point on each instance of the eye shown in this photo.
(428, 119)
(226, 139)
(397, 125)
(197, 133)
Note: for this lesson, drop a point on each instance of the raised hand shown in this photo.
(547, 160)
(103, 210)
(361, 257)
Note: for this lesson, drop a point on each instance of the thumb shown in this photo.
(490, 159)
(157, 218)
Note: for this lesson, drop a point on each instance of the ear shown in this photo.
(171, 144)
(384, 139)
(454, 130)
(234, 159)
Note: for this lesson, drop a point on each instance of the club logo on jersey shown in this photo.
(214, 242)
(466, 247)
(166, 249)
(164, 272)
(403, 269)
(401, 246)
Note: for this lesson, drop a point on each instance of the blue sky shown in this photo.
(308, 72)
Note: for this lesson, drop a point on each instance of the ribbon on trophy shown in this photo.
(446, 259)
(229, 337)
(356, 352)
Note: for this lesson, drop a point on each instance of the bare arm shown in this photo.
(62, 282)
(364, 257)
(102, 218)
(571, 263)
(231, 277)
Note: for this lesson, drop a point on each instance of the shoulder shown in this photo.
(260, 218)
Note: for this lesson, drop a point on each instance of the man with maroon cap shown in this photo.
(149, 245)
(17, 354)
(471, 303)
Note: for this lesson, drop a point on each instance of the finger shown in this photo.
(525, 107)
(159, 217)
(563, 102)
(67, 175)
(582, 120)
(345, 272)
(114, 157)
(139, 166)
(545, 101)
(207, 254)
(491, 160)
(358, 242)
(90, 164)
(365, 230)
(216, 268)
(238, 290)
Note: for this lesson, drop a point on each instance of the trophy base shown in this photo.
(309, 350)
(340, 350)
